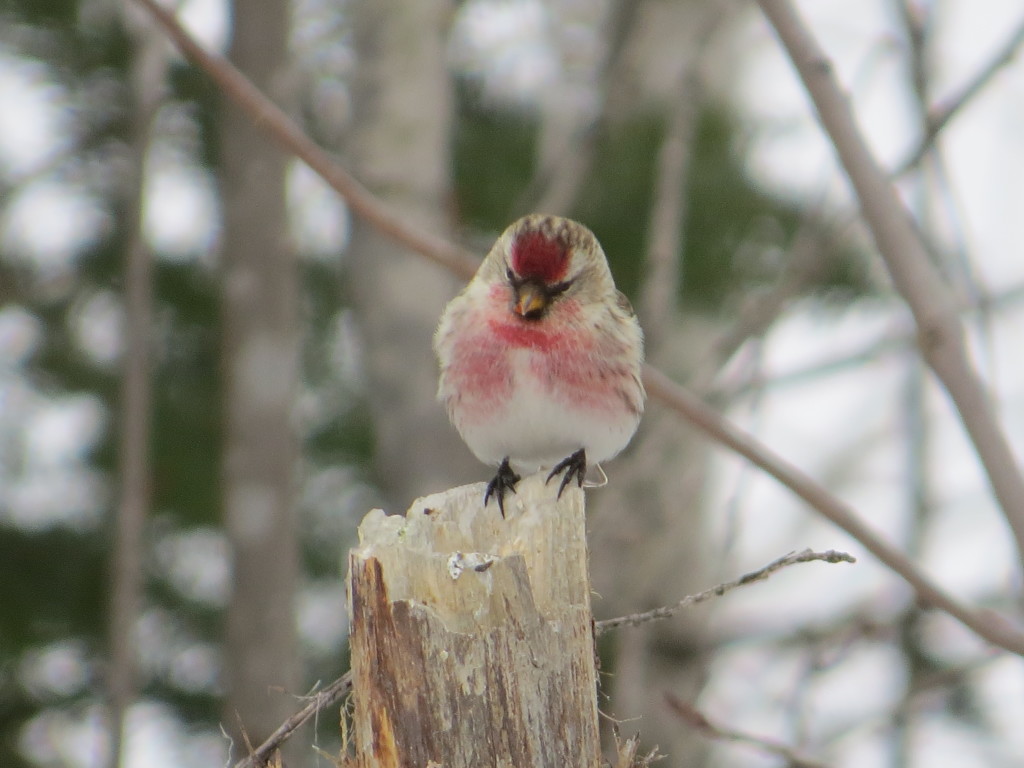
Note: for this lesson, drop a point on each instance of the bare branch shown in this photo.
(318, 702)
(991, 626)
(940, 115)
(806, 556)
(946, 679)
(896, 342)
(804, 264)
(661, 283)
(940, 333)
(689, 714)
(264, 112)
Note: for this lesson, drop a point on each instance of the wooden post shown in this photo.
(472, 641)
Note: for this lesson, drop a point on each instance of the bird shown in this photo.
(540, 357)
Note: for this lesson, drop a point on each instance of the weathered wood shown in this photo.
(472, 640)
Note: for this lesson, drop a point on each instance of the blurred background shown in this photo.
(210, 371)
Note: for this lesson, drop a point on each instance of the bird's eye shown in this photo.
(559, 288)
(510, 275)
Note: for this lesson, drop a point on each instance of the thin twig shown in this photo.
(626, 752)
(804, 264)
(664, 274)
(937, 202)
(690, 715)
(915, 416)
(990, 626)
(941, 335)
(318, 702)
(806, 556)
(895, 342)
(940, 115)
(946, 680)
(661, 283)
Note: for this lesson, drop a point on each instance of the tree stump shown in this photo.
(472, 641)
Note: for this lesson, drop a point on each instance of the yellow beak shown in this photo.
(531, 300)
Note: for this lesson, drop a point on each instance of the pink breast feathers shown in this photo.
(566, 365)
(523, 334)
(480, 373)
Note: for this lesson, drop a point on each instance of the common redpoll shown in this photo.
(540, 356)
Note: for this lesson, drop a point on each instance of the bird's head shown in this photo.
(544, 259)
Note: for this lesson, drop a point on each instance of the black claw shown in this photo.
(502, 483)
(575, 465)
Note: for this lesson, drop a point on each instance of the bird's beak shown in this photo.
(531, 300)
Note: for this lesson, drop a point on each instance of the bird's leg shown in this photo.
(575, 465)
(502, 483)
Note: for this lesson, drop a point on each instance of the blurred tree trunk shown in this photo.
(128, 581)
(400, 149)
(261, 358)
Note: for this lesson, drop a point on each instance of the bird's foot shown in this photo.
(502, 483)
(572, 466)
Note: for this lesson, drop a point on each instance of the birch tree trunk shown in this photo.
(260, 355)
